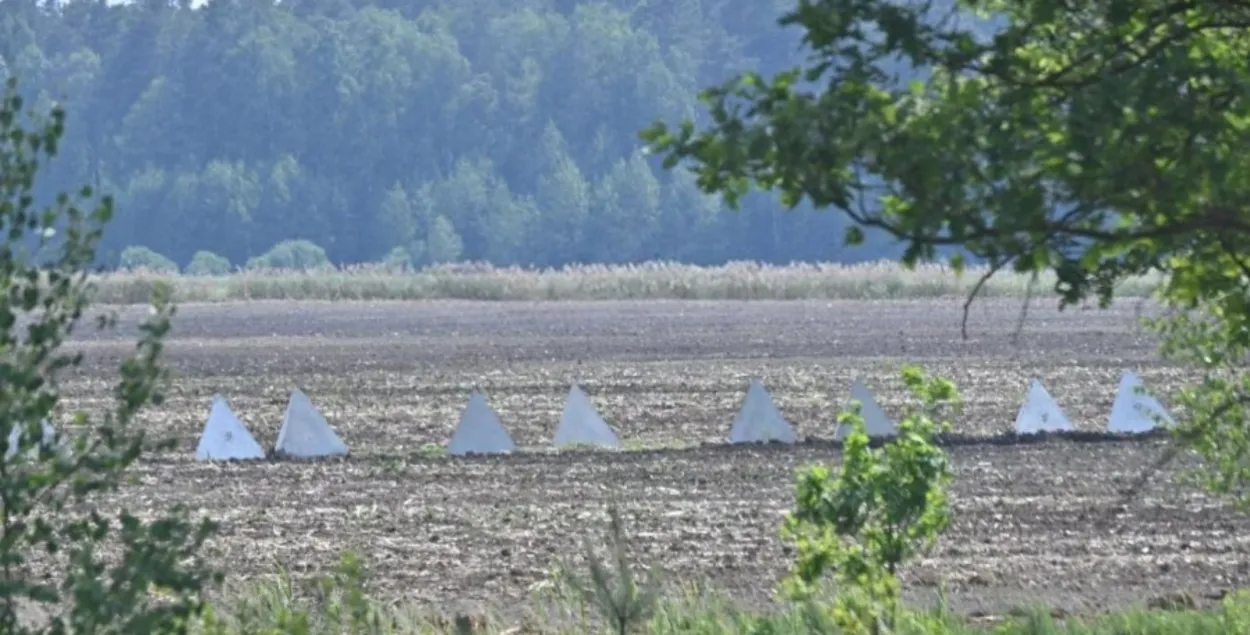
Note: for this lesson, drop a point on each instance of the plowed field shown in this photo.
(1034, 523)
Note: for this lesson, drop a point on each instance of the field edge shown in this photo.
(882, 280)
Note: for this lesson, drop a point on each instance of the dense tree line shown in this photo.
(431, 129)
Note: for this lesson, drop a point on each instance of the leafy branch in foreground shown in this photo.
(1098, 141)
(621, 598)
(65, 556)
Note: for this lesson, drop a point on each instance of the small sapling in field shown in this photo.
(859, 523)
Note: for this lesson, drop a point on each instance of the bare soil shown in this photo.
(1037, 523)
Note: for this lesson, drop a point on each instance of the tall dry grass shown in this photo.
(646, 281)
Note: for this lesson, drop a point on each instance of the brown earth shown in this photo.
(1033, 523)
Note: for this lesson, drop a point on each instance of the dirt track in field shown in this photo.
(1033, 523)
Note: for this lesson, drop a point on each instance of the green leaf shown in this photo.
(51, 476)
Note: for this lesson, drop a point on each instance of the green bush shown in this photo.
(140, 257)
(207, 263)
(397, 258)
(880, 508)
(299, 255)
(99, 569)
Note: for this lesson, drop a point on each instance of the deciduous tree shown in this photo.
(1098, 140)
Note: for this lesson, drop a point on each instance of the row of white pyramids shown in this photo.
(305, 433)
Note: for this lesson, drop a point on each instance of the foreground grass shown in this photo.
(649, 281)
(340, 604)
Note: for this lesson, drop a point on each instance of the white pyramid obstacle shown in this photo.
(581, 424)
(479, 430)
(225, 437)
(876, 423)
(1040, 413)
(305, 432)
(48, 437)
(1134, 411)
(759, 420)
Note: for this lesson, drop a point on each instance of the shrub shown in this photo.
(207, 263)
(880, 508)
(101, 570)
(140, 257)
(397, 258)
(442, 242)
(299, 255)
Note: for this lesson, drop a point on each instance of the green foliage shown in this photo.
(297, 255)
(433, 450)
(207, 263)
(1096, 143)
(879, 509)
(1217, 407)
(1045, 153)
(398, 229)
(281, 606)
(139, 257)
(623, 601)
(108, 571)
(353, 124)
(338, 602)
(397, 258)
(442, 243)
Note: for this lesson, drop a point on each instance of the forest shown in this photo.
(426, 131)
